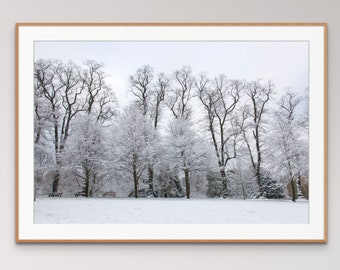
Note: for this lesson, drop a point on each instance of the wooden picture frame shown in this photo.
(313, 34)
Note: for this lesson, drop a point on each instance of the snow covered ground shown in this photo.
(168, 211)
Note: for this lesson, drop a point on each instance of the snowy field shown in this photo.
(180, 211)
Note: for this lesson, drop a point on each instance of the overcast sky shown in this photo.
(285, 63)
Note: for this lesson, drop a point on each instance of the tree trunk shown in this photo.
(187, 183)
(87, 183)
(243, 191)
(92, 188)
(135, 184)
(293, 190)
(224, 183)
(56, 151)
(37, 138)
(135, 179)
(299, 187)
(56, 180)
(259, 160)
(258, 179)
(135, 174)
(150, 171)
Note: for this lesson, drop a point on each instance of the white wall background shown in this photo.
(162, 256)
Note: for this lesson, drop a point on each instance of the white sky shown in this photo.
(285, 63)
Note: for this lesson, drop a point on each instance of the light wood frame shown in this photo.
(325, 129)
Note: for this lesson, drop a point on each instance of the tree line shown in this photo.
(182, 135)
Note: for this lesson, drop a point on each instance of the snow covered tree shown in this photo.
(42, 117)
(131, 144)
(62, 92)
(43, 166)
(290, 142)
(170, 185)
(219, 98)
(86, 155)
(141, 86)
(182, 91)
(271, 189)
(99, 98)
(44, 163)
(258, 94)
(59, 84)
(245, 184)
(150, 93)
(185, 150)
(158, 93)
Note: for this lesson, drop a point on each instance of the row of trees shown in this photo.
(181, 135)
(63, 93)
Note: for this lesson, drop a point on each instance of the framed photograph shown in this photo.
(171, 132)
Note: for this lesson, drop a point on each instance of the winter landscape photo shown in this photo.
(171, 132)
